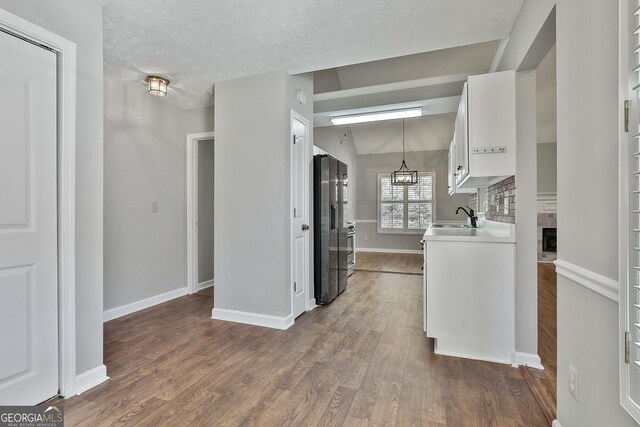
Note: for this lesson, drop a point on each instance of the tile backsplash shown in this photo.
(500, 201)
(473, 201)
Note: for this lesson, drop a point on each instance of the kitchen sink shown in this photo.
(450, 226)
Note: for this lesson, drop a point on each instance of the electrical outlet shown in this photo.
(573, 382)
(154, 206)
(366, 238)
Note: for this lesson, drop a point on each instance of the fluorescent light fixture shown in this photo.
(377, 116)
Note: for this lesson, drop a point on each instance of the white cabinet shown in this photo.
(469, 291)
(451, 179)
(461, 141)
(451, 176)
(485, 135)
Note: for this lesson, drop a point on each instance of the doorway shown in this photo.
(200, 211)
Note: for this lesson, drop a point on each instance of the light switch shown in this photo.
(154, 206)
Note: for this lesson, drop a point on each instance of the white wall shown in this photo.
(368, 168)
(205, 210)
(547, 168)
(546, 95)
(81, 22)
(587, 64)
(526, 216)
(145, 161)
(252, 191)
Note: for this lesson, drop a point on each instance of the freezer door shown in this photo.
(343, 245)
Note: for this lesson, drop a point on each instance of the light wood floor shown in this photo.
(389, 263)
(362, 360)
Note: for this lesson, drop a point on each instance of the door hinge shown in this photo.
(295, 287)
(294, 140)
(627, 347)
(294, 212)
(626, 115)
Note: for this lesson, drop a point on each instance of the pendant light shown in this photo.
(404, 176)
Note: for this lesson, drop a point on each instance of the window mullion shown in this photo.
(405, 219)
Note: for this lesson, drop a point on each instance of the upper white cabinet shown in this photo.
(485, 134)
(461, 142)
(451, 177)
(453, 172)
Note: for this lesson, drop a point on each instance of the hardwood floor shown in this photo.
(543, 384)
(362, 360)
(389, 263)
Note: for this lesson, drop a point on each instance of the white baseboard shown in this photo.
(123, 310)
(443, 351)
(205, 285)
(473, 356)
(598, 283)
(91, 378)
(390, 251)
(268, 321)
(527, 359)
(555, 423)
(311, 304)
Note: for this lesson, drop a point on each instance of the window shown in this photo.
(405, 209)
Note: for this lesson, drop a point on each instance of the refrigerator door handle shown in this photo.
(332, 221)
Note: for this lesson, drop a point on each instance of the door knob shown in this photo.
(305, 227)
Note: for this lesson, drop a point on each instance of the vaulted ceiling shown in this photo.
(199, 42)
(434, 130)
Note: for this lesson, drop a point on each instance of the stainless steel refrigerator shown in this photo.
(330, 227)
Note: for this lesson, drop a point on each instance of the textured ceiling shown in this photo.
(199, 42)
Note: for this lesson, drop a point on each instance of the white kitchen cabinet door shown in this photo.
(462, 140)
(451, 176)
(489, 152)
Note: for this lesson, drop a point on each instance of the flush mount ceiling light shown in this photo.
(157, 85)
(404, 176)
(377, 116)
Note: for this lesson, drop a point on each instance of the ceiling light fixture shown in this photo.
(404, 176)
(157, 85)
(377, 116)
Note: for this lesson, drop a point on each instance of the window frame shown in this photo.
(405, 201)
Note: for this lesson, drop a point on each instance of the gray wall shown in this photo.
(332, 140)
(368, 168)
(547, 168)
(145, 161)
(587, 57)
(81, 22)
(252, 244)
(205, 210)
(526, 215)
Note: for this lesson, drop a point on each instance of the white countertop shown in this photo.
(489, 232)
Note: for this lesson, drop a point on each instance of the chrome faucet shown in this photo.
(470, 214)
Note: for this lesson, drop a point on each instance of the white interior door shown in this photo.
(300, 165)
(28, 223)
